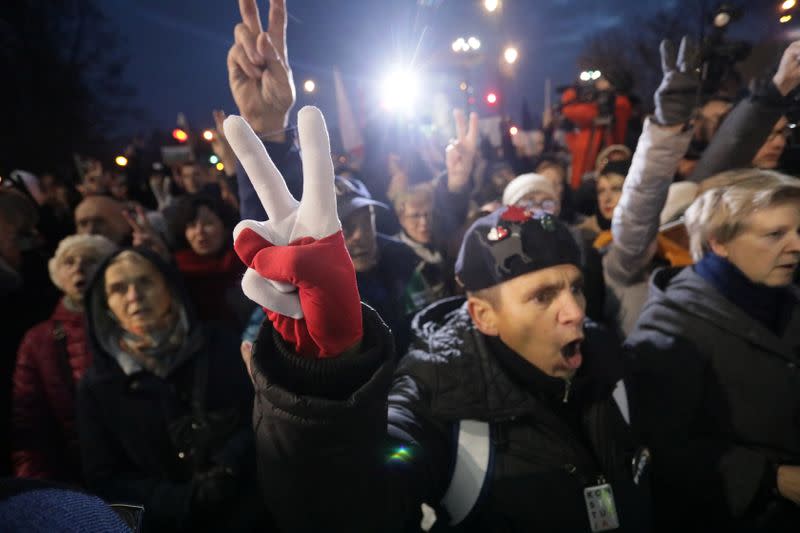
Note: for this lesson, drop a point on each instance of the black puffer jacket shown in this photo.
(128, 451)
(327, 462)
(718, 401)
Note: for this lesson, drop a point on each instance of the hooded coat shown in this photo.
(142, 435)
(328, 462)
(718, 402)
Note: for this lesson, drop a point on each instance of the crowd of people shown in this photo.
(596, 336)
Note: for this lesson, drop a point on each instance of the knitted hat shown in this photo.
(510, 242)
(95, 245)
(524, 185)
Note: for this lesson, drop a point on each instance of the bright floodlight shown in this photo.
(788, 4)
(784, 19)
(491, 5)
(458, 44)
(596, 75)
(511, 55)
(585, 76)
(121, 160)
(399, 91)
(474, 43)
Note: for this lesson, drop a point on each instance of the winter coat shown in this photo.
(589, 138)
(628, 262)
(743, 132)
(214, 284)
(385, 286)
(143, 437)
(27, 297)
(329, 464)
(718, 402)
(51, 361)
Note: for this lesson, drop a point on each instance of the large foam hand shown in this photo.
(298, 266)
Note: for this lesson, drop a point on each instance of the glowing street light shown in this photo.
(491, 5)
(784, 19)
(465, 45)
(309, 86)
(220, 167)
(491, 98)
(208, 135)
(788, 4)
(513, 130)
(511, 55)
(213, 159)
(121, 160)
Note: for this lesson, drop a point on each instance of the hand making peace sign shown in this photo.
(258, 70)
(299, 269)
(460, 154)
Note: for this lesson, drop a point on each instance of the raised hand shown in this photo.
(298, 266)
(460, 154)
(676, 97)
(258, 70)
(144, 234)
(220, 145)
(788, 76)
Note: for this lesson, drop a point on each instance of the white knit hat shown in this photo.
(97, 245)
(525, 184)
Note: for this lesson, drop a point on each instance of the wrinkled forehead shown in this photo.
(131, 266)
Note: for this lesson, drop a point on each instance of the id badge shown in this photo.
(601, 507)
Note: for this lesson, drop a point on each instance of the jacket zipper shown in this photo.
(567, 389)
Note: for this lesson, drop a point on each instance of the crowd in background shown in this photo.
(123, 317)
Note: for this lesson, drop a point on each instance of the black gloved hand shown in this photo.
(212, 487)
(676, 97)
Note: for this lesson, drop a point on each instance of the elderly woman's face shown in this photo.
(206, 233)
(138, 295)
(767, 249)
(73, 271)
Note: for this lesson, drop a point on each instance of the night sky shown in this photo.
(178, 48)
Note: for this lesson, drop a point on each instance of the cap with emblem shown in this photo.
(510, 242)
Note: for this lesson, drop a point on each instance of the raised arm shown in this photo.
(663, 143)
(262, 86)
(750, 123)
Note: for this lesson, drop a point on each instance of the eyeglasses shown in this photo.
(416, 218)
(544, 206)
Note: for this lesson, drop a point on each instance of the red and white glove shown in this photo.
(299, 269)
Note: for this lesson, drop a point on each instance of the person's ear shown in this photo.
(718, 248)
(483, 315)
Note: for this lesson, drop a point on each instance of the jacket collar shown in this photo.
(684, 289)
(472, 383)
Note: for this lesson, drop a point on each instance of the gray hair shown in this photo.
(729, 198)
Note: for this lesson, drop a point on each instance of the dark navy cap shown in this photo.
(510, 242)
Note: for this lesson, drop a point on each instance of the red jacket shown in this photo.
(586, 142)
(44, 438)
(214, 283)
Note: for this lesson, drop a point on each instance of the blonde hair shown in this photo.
(97, 246)
(422, 193)
(729, 198)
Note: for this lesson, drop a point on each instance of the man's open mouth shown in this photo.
(571, 352)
